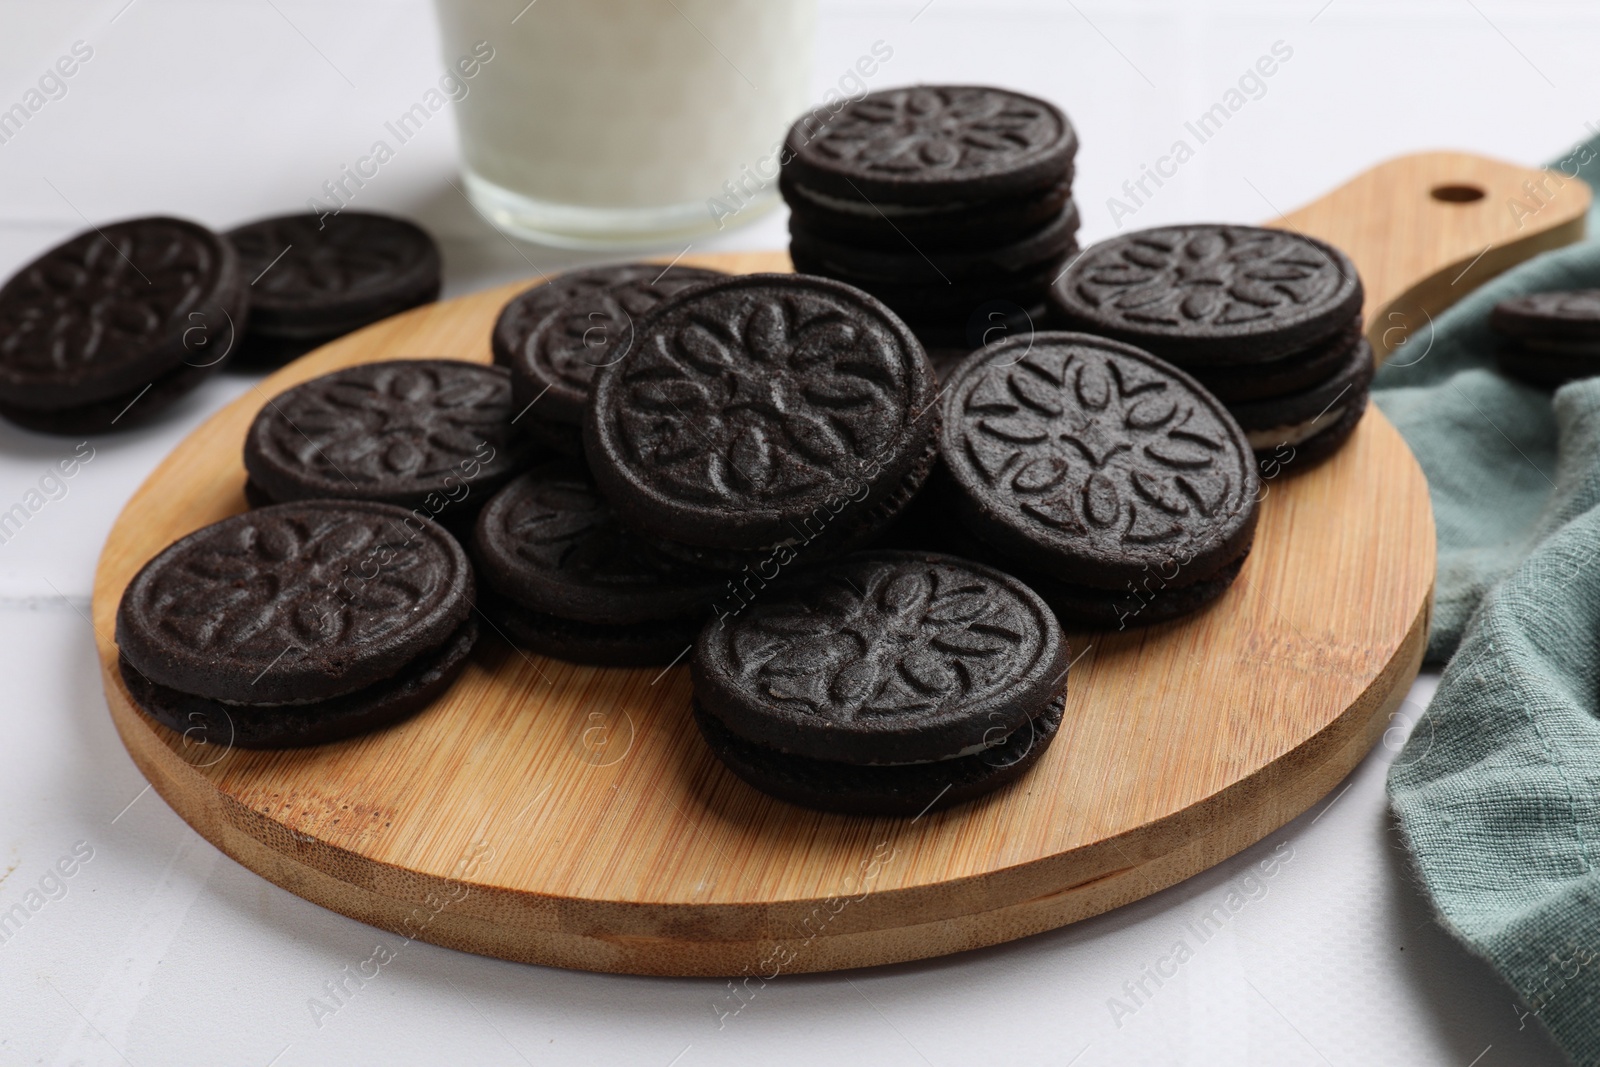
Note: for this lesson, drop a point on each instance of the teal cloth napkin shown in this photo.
(1497, 792)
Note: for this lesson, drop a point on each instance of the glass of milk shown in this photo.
(607, 123)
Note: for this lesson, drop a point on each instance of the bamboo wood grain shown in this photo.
(571, 816)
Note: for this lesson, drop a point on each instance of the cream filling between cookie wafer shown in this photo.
(1294, 433)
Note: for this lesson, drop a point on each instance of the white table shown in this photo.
(162, 951)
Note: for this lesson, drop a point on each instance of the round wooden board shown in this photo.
(567, 815)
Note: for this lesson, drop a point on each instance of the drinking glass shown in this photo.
(601, 123)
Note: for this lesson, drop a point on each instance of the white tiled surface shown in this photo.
(161, 951)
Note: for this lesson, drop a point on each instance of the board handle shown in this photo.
(1426, 229)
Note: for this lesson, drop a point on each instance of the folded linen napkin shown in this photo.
(1497, 791)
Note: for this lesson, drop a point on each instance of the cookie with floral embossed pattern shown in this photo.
(104, 331)
(587, 331)
(884, 682)
(763, 411)
(1098, 464)
(1203, 294)
(297, 623)
(528, 308)
(314, 279)
(1268, 320)
(932, 523)
(432, 434)
(932, 144)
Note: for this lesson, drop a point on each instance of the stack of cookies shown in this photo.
(314, 279)
(1549, 339)
(952, 204)
(562, 577)
(1268, 320)
(731, 428)
(885, 683)
(109, 330)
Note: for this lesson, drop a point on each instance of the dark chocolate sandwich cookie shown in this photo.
(933, 523)
(313, 278)
(883, 683)
(125, 411)
(428, 434)
(1268, 320)
(932, 227)
(909, 265)
(931, 144)
(1549, 338)
(1205, 294)
(763, 411)
(221, 724)
(1240, 383)
(934, 310)
(936, 199)
(568, 580)
(106, 330)
(297, 624)
(911, 789)
(1302, 428)
(550, 373)
(1558, 315)
(1098, 465)
(528, 308)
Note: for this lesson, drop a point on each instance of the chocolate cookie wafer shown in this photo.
(1549, 338)
(428, 434)
(884, 683)
(761, 413)
(107, 330)
(1256, 315)
(314, 279)
(297, 624)
(1103, 468)
(564, 578)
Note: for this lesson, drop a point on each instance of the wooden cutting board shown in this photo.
(571, 816)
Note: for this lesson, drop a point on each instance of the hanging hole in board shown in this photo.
(1456, 194)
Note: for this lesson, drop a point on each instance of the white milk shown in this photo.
(603, 122)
